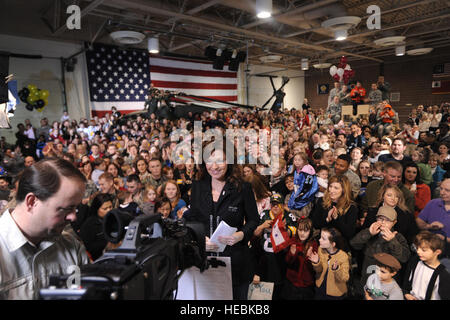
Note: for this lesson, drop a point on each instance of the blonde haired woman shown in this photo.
(336, 208)
(392, 196)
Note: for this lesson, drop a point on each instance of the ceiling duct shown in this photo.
(127, 37)
(390, 41)
(331, 11)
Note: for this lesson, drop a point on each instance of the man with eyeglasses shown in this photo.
(34, 243)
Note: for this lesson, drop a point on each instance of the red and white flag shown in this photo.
(279, 237)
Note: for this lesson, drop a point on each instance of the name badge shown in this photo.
(233, 209)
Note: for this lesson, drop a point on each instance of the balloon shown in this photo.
(45, 101)
(333, 70)
(29, 107)
(336, 77)
(340, 72)
(32, 87)
(39, 104)
(34, 93)
(347, 67)
(31, 99)
(40, 109)
(43, 94)
(343, 60)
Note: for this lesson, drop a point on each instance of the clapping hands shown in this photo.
(312, 255)
(332, 214)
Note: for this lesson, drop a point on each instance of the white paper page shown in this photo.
(212, 284)
(223, 230)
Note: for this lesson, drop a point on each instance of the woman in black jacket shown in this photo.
(91, 232)
(221, 194)
(336, 209)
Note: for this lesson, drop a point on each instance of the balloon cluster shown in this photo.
(34, 98)
(343, 72)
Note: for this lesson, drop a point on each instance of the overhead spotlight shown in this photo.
(234, 62)
(263, 9)
(341, 34)
(153, 45)
(210, 52)
(305, 64)
(234, 55)
(400, 50)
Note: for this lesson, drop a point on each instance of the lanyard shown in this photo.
(211, 225)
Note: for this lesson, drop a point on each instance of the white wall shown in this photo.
(46, 74)
(260, 88)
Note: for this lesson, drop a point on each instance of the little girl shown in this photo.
(332, 266)
(299, 282)
(305, 186)
(148, 207)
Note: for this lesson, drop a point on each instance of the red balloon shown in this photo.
(336, 77)
(344, 60)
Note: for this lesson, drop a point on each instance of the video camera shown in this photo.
(145, 266)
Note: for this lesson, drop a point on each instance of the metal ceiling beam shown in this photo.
(403, 7)
(408, 36)
(298, 10)
(368, 33)
(94, 4)
(240, 31)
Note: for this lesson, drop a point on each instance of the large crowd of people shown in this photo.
(362, 204)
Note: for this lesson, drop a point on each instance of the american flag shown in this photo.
(117, 77)
(194, 77)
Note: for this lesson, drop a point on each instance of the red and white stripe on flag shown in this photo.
(279, 236)
(193, 77)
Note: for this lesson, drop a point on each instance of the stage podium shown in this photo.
(347, 112)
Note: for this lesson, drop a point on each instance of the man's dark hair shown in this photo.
(399, 139)
(345, 157)
(133, 177)
(43, 178)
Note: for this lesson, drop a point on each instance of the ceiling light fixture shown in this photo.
(341, 25)
(305, 64)
(400, 50)
(263, 9)
(340, 35)
(153, 45)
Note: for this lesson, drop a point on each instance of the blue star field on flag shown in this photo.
(118, 75)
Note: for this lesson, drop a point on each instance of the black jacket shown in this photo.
(345, 223)
(238, 209)
(442, 273)
(91, 233)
